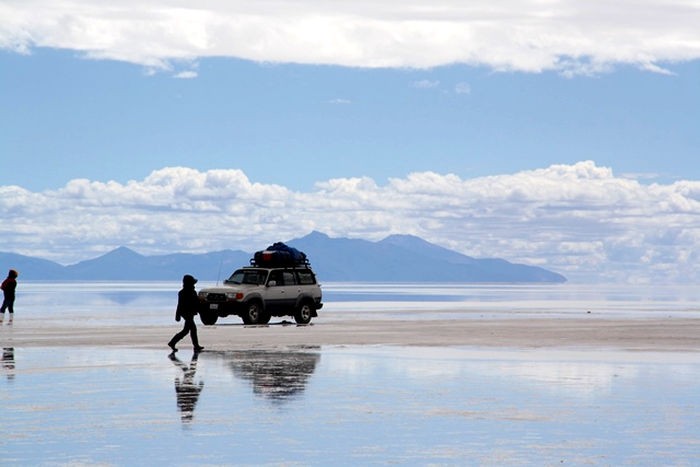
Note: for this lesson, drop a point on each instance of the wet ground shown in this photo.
(348, 406)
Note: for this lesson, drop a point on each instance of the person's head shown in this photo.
(188, 280)
(13, 274)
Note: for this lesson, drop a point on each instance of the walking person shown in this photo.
(8, 289)
(187, 304)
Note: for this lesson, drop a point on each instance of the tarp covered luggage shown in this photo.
(279, 254)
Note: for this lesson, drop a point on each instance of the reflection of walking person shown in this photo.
(8, 362)
(8, 289)
(187, 303)
(186, 391)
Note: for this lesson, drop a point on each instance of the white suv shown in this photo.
(257, 293)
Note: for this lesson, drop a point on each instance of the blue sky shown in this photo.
(546, 133)
(299, 124)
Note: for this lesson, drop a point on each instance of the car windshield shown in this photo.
(243, 276)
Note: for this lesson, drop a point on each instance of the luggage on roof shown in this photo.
(279, 254)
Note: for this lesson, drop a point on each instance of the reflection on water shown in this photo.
(355, 406)
(186, 390)
(152, 302)
(8, 362)
(276, 376)
(279, 376)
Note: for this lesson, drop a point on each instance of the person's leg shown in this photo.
(11, 309)
(177, 337)
(193, 333)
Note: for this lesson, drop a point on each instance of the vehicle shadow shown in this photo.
(280, 323)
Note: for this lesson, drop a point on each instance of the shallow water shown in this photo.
(149, 303)
(348, 406)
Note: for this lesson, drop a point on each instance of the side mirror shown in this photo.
(272, 283)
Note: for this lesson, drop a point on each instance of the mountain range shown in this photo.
(397, 258)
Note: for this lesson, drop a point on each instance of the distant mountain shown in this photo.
(30, 267)
(126, 264)
(405, 258)
(397, 258)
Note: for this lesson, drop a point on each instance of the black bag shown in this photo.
(279, 254)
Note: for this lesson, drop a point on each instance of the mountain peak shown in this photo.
(316, 235)
(122, 252)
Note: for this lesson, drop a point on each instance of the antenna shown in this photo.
(221, 263)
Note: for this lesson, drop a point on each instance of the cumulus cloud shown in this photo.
(580, 220)
(570, 36)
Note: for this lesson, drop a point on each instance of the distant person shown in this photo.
(8, 289)
(187, 304)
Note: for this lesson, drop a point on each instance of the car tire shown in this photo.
(304, 313)
(253, 313)
(265, 317)
(208, 318)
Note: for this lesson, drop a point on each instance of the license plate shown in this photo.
(213, 306)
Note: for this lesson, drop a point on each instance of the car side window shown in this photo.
(288, 278)
(277, 277)
(306, 278)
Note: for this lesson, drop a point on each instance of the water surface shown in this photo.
(347, 406)
(151, 303)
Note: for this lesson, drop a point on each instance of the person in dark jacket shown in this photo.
(8, 289)
(187, 304)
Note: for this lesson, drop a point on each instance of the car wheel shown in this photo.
(208, 317)
(304, 313)
(253, 313)
(264, 317)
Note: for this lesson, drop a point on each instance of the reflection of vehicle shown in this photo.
(257, 293)
(277, 376)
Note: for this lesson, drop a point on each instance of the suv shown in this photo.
(257, 293)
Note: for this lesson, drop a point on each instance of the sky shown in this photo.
(562, 134)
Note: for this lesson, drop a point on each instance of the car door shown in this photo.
(282, 290)
(290, 290)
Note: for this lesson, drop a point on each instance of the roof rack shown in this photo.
(280, 264)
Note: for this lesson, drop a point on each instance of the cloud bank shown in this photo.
(570, 36)
(580, 220)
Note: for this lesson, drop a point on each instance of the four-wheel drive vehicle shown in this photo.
(257, 293)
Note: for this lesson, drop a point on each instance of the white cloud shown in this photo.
(189, 74)
(463, 88)
(339, 101)
(425, 84)
(570, 36)
(580, 220)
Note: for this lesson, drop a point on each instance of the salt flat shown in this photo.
(91, 381)
(655, 334)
